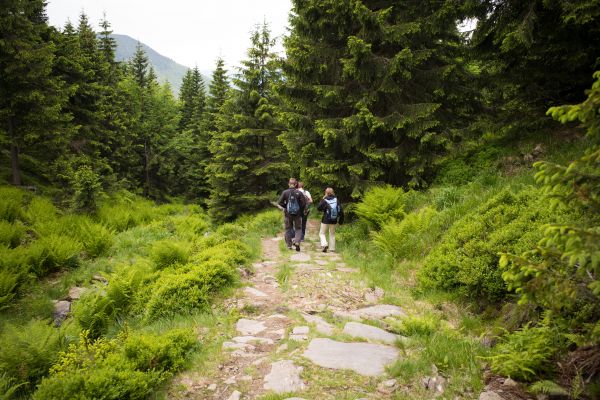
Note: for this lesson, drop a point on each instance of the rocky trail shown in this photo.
(309, 328)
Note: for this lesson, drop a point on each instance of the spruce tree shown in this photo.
(31, 96)
(534, 54)
(371, 91)
(139, 66)
(249, 164)
(217, 93)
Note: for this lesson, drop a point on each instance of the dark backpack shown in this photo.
(333, 210)
(293, 205)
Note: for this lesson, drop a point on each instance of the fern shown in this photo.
(381, 205)
(548, 387)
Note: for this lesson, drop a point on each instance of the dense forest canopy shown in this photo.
(381, 100)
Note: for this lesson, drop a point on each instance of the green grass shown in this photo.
(283, 275)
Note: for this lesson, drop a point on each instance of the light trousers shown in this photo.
(323, 231)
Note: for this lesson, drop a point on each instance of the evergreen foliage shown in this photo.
(373, 91)
(248, 162)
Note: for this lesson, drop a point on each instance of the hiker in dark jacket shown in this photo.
(332, 215)
(293, 203)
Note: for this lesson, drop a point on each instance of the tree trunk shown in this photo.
(14, 156)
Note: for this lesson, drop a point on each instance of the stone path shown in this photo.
(291, 338)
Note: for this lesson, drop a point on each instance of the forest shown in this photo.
(468, 163)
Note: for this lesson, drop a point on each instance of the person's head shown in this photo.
(293, 183)
(329, 192)
(300, 185)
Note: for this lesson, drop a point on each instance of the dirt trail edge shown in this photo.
(309, 328)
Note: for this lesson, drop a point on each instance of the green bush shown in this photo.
(181, 293)
(126, 211)
(40, 212)
(11, 234)
(467, 258)
(29, 351)
(94, 312)
(11, 205)
(266, 223)
(50, 253)
(166, 253)
(412, 237)
(381, 204)
(232, 252)
(419, 326)
(527, 353)
(188, 227)
(127, 367)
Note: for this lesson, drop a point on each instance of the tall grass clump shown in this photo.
(381, 204)
(166, 253)
(11, 205)
(11, 234)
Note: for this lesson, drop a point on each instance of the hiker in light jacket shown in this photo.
(293, 203)
(332, 215)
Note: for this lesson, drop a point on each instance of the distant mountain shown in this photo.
(165, 68)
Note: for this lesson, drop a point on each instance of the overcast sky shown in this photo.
(191, 32)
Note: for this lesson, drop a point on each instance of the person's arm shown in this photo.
(309, 199)
(322, 206)
(282, 199)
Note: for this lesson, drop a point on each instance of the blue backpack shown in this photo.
(333, 210)
(293, 206)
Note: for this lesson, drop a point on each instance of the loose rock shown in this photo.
(252, 339)
(300, 257)
(250, 291)
(379, 311)
(249, 326)
(284, 377)
(489, 395)
(321, 325)
(235, 396)
(61, 311)
(358, 330)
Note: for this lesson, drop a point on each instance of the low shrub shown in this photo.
(188, 227)
(11, 234)
(29, 351)
(528, 352)
(127, 367)
(467, 258)
(181, 293)
(232, 252)
(266, 223)
(381, 204)
(412, 237)
(166, 253)
(125, 211)
(41, 212)
(417, 326)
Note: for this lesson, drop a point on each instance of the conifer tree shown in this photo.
(217, 93)
(371, 91)
(139, 66)
(534, 54)
(31, 97)
(249, 163)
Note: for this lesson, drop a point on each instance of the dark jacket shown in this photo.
(283, 199)
(324, 206)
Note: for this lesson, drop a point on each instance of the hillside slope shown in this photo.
(166, 69)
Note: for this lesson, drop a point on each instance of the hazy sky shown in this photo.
(191, 32)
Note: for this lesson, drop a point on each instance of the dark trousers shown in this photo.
(304, 219)
(293, 229)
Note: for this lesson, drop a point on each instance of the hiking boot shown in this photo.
(297, 245)
(325, 249)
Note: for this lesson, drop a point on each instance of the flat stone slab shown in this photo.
(250, 291)
(249, 327)
(321, 325)
(252, 339)
(321, 262)
(358, 330)
(300, 257)
(363, 358)
(237, 346)
(379, 311)
(284, 377)
(75, 293)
